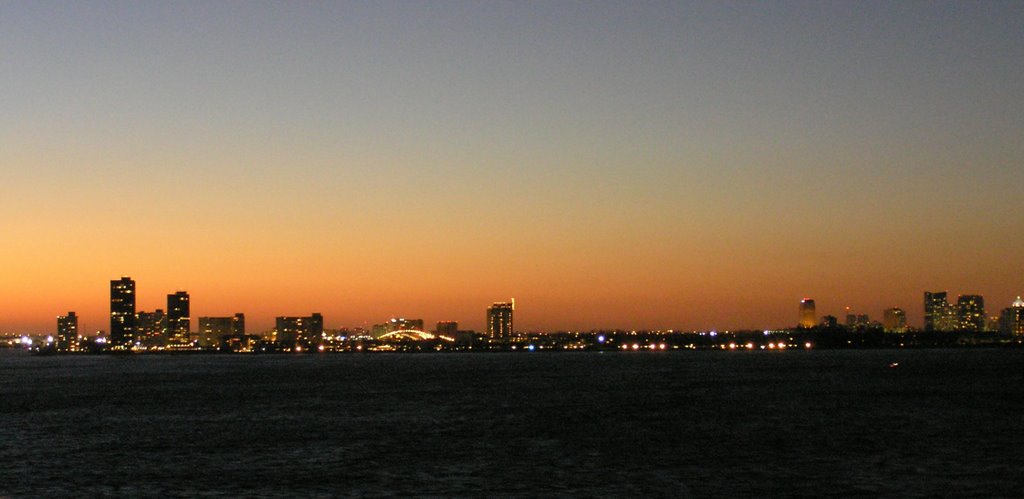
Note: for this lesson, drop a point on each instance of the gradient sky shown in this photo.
(627, 164)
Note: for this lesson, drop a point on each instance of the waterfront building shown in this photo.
(808, 316)
(499, 320)
(970, 313)
(378, 330)
(122, 312)
(292, 330)
(447, 329)
(829, 322)
(67, 332)
(1011, 321)
(403, 324)
(939, 314)
(179, 322)
(215, 332)
(895, 320)
(151, 327)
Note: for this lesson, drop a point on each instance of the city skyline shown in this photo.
(610, 165)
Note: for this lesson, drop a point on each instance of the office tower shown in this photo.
(895, 320)
(499, 320)
(67, 332)
(292, 330)
(448, 329)
(1011, 321)
(151, 327)
(179, 323)
(122, 313)
(970, 313)
(939, 314)
(808, 317)
(378, 330)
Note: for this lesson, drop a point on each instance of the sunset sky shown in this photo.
(608, 164)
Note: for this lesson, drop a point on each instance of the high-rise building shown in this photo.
(499, 320)
(122, 313)
(447, 329)
(808, 316)
(1011, 321)
(67, 332)
(292, 330)
(970, 313)
(939, 314)
(895, 320)
(179, 321)
(151, 327)
(829, 322)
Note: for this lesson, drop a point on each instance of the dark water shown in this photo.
(945, 423)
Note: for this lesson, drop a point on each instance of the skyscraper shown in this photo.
(122, 313)
(1011, 321)
(67, 332)
(499, 320)
(179, 323)
(808, 316)
(939, 314)
(970, 313)
(895, 320)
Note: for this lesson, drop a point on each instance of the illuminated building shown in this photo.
(292, 330)
(808, 316)
(217, 331)
(402, 324)
(499, 320)
(939, 314)
(970, 313)
(67, 332)
(378, 330)
(122, 312)
(894, 320)
(151, 327)
(1011, 321)
(448, 329)
(179, 323)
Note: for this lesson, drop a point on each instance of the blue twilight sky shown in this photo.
(631, 164)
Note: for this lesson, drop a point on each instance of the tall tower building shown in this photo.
(122, 312)
(970, 313)
(895, 320)
(499, 320)
(808, 316)
(179, 322)
(939, 314)
(67, 332)
(1011, 321)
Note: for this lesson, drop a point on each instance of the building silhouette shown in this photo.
(151, 327)
(215, 332)
(894, 320)
(1011, 321)
(67, 332)
(939, 314)
(808, 316)
(499, 320)
(970, 313)
(122, 312)
(290, 331)
(179, 322)
(447, 329)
